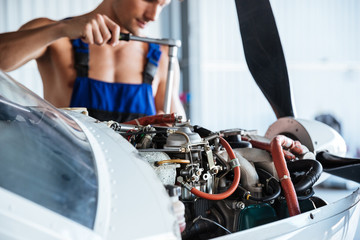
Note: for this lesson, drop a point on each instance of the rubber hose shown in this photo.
(160, 119)
(234, 184)
(313, 171)
(274, 184)
(284, 175)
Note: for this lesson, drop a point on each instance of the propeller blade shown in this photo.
(348, 168)
(264, 54)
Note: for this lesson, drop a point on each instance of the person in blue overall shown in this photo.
(83, 64)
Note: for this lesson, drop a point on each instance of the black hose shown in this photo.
(308, 194)
(312, 169)
(271, 184)
(203, 132)
(272, 187)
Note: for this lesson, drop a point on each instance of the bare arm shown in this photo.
(176, 106)
(28, 43)
(32, 40)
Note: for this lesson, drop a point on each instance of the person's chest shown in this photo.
(121, 64)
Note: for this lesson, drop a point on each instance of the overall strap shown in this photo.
(151, 66)
(81, 57)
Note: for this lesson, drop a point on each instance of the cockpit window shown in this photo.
(44, 155)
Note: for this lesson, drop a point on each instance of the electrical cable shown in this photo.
(211, 221)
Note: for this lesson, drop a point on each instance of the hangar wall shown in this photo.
(320, 41)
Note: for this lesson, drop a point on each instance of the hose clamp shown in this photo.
(234, 163)
(186, 185)
(284, 178)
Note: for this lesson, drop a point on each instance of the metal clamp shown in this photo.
(285, 177)
(187, 186)
(234, 163)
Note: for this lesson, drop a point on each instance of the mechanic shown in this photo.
(83, 64)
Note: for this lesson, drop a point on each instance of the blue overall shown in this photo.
(105, 101)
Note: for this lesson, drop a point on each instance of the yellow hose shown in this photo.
(182, 161)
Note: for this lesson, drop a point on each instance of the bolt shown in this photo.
(180, 179)
(240, 205)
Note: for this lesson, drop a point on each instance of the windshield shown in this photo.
(44, 155)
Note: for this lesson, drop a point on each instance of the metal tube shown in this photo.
(170, 78)
(173, 50)
(168, 42)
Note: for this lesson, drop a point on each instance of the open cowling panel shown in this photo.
(231, 180)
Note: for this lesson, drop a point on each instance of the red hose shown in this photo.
(279, 154)
(234, 184)
(266, 146)
(161, 119)
(280, 164)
